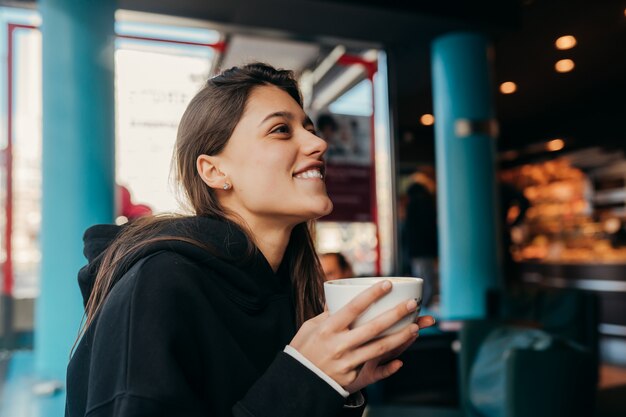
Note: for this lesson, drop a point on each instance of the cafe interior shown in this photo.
(494, 130)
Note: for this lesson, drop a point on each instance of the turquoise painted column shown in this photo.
(465, 132)
(78, 163)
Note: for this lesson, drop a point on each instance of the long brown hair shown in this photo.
(205, 128)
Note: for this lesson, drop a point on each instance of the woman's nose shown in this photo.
(313, 144)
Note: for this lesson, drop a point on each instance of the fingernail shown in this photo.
(386, 285)
(414, 329)
(411, 305)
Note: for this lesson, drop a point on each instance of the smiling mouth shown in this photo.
(310, 174)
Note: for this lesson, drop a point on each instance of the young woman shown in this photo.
(221, 313)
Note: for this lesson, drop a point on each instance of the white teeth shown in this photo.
(312, 173)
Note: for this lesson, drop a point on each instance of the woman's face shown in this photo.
(273, 161)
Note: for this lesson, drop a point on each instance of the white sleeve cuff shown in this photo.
(304, 361)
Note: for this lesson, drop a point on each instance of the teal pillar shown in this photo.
(465, 133)
(78, 163)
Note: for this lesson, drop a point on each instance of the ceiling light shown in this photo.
(555, 145)
(565, 42)
(427, 119)
(508, 87)
(564, 65)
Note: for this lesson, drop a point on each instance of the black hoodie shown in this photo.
(191, 332)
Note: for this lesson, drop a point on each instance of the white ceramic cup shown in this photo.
(340, 291)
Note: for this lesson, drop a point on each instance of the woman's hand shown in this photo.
(341, 353)
(386, 365)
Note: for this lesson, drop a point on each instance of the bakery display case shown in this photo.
(572, 216)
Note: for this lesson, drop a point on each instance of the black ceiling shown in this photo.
(586, 107)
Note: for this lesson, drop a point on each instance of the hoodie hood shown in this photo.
(96, 240)
(224, 247)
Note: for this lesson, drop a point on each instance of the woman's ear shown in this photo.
(208, 168)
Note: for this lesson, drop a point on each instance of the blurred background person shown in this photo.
(513, 207)
(340, 136)
(335, 266)
(419, 233)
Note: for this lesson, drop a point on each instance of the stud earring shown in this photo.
(227, 186)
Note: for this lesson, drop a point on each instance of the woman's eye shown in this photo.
(281, 129)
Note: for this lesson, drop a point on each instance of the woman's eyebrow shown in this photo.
(283, 114)
(287, 115)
